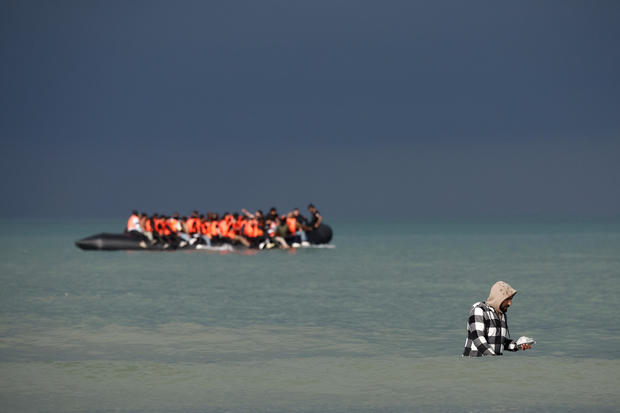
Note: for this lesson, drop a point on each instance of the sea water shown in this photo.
(376, 323)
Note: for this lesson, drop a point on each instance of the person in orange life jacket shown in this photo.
(240, 222)
(214, 230)
(232, 234)
(239, 226)
(203, 230)
(193, 225)
(260, 219)
(293, 230)
(231, 226)
(173, 227)
(133, 223)
(157, 225)
(253, 233)
(173, 224)
(258, 216)
(252, 229)
(166, 235)
(225, 227)
(161, 226)
(147, 227)
(134, 228)
(291, 224)
(158, 228)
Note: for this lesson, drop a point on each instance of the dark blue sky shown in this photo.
(392, 108)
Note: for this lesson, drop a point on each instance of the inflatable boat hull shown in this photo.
(112, 242)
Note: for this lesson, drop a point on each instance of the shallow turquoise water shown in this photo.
(375, 324)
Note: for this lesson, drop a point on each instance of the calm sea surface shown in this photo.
(375, 324)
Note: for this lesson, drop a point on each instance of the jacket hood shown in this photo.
(499, 292)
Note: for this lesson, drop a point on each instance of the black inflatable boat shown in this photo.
(112, 242)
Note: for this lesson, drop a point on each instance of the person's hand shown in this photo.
(525, 346)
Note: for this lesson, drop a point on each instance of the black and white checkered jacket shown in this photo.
(487, 333)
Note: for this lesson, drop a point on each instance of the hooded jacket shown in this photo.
(500, 292)
(487, 330)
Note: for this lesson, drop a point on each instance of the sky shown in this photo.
(369, 109)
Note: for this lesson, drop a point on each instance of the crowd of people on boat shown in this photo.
(252, 230)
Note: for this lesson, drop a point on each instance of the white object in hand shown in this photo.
(525, 340)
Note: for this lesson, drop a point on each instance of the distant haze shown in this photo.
(368, 109)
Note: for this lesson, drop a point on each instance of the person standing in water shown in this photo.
(487, 329)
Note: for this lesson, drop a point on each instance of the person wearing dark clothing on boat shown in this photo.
(272, 215)
(301, 220)
(316, 219)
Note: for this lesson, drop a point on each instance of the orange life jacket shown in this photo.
(248, 229)
(173, 224)
(193, 225)
(161, 227)
(226, 228)
(292, 225)
(214, 228)
(222, 227)
(252, 230)
(205, 228)
(239, 225)
(131, 223)
(148, 227)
